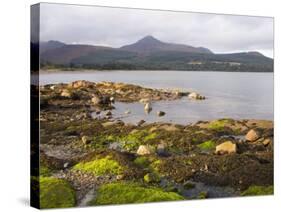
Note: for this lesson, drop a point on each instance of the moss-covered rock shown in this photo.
(258, 190)
(55, 193)
(122, 193)
(207, 145)
(101, 166)
(219, 125)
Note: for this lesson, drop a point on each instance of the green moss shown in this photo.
(151, 178)
(121, 193)
(258, 190)
(142, 162)
(133, 140)
(44, 170)
(219, 124)
(100, 167)
(203, 195)
(207, 145)
(55, 193)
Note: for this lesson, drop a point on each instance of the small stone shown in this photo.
(226, 148)
(252, 135)
(86, 140)
(161, 113)
(53, 87)
(145, 150)
(108, 124)
(65, 165)
(120, 177)
(108, 113)
(266, 142)
(127, 112)
(95, 100)
(141, 122)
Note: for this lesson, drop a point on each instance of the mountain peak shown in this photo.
(149, 44)
(149, 39)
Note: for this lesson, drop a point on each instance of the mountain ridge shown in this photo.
(150, 53)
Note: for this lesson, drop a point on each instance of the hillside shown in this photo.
(150, 53)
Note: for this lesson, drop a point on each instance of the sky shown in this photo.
(116, 27)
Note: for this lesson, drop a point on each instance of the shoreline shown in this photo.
(206, 159)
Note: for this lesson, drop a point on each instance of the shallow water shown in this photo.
(229, 95)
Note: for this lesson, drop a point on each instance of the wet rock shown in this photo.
(86, 140)
(148, 107)
(226, 148)
(161, 113)
(162, 150)
(145, 150)
(252, 135)
(141, 122)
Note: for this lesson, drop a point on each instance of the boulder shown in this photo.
(162, 150)
(196, 96)
(266, 142)
(252, 135)
(145, 150)
(226, 148)
(147, 107)
(161, 113)
(66, 93)
(141, 122)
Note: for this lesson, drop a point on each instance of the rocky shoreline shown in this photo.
(102, 160)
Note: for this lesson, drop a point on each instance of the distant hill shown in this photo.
(52, 44)
(149, 53)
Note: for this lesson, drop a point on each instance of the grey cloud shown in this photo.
(118, 26)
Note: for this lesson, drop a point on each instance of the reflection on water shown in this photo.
(229, 95)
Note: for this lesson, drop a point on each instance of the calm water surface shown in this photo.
(229, 95)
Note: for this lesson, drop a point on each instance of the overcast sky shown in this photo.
(116, 27)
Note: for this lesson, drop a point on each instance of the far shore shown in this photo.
(68, 70)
